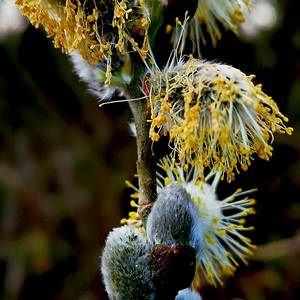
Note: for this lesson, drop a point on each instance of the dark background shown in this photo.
(63, 163)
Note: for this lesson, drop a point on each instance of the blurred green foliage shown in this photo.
(63, 163)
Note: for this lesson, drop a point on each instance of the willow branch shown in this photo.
(146, 162)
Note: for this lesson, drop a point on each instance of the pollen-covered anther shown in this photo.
(133, 215)
(128, 184)
(134, 196)
(132, 202)
(167, 181)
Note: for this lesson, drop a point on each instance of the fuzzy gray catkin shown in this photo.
(173, 219)
(175, 234)
(125, 265)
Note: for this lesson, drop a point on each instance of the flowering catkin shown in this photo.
(173, 219)
(215, 116)
(189, 212)
(94, 28)
(221, 222)
(209, 14)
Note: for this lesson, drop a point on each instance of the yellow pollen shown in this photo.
(167, 181)
(249, 252)
(210, 240)
(175, 171)
(231, 227)
(128, 184)
(169, 28)
(179, 180)
(134, 196)
(178, 22)
(215, 219)
(133, 214)
(251, 211)
(133, 203)
(289, 130)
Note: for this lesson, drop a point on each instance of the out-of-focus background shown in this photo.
(64, 160)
